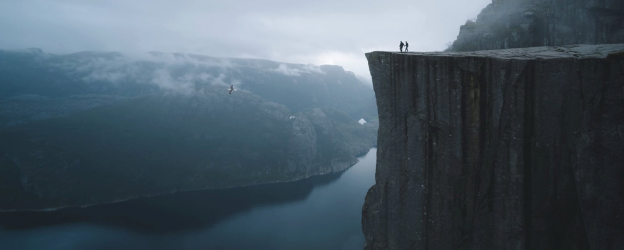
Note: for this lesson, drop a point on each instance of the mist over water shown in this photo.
(322, 212)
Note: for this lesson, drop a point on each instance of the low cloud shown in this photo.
(165, 81)
(298, 70)
(318, 32)
(171, 72)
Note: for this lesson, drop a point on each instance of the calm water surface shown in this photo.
(321, 212)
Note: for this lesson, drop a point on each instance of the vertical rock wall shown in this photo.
(508, 149)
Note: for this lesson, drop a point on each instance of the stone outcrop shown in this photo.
(505, 149)
(531, 23)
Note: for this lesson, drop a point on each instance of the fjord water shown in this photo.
(322, 212)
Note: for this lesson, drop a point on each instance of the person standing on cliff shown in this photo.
(401, 46)
(406, 44)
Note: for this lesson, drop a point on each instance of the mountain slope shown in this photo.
(94, 127)
(299, 87)
(531, 23)
(166, 143)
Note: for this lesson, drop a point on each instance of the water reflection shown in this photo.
(318, 212)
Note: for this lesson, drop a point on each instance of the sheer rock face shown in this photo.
(530, 23)
(506, 149)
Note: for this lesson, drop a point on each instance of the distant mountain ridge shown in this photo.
(298, 86)
(96, 127)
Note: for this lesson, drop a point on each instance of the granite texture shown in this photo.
(505, 149)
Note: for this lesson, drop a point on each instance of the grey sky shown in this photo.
(318, 32)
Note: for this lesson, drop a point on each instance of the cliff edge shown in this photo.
(505, 149)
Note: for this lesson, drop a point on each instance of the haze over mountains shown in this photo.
(95, 127)
(300, 87)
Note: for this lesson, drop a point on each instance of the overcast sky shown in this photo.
(315, 31)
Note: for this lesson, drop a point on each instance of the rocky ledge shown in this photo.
(504, 149)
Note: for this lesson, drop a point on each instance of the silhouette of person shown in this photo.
(401, 46)
(406, 44)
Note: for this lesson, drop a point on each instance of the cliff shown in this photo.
(531, 23)
(505, 149)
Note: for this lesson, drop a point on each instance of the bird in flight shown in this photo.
(231, 89)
